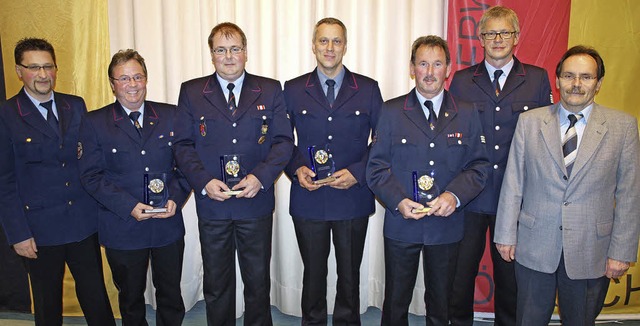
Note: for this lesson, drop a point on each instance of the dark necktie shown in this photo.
(496, 83)
(432, 114)
(231, 104)
(51, 118)
(134, 116)
(331, 91)
(570, 142)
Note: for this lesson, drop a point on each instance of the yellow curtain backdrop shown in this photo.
(613, 28)
(79, 32)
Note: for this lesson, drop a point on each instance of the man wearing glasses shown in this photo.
(126, 164)
(233, 139)
(500, 87)
(569, 206)
(334, 111)
(48, 217)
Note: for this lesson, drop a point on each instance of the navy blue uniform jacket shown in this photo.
(527, 87)
(112, 169)
(206, 130)
(346, 127)
(404, 143)
(40, 191)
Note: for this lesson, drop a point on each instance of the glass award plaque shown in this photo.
(425, 189)
(322, 164)
(156, 192)
(232, 172)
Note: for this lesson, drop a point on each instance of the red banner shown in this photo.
(544, 33)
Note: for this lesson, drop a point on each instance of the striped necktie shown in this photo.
(496, 82)
(231, 104)
(570, 142)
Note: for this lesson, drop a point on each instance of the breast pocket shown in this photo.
(357, 124)
(457, 150)
(405, 152)
(118, 160)
(29, 151)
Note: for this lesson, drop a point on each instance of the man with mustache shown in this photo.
(48, 217)
(500, 88)
(569, 206)
(428, 160)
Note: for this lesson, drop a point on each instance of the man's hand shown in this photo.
(444, 205)
(251, 186)
(406, 207)
(139, 215)
(305, 178)
(171, 210)
(215, 188)
(507, 252)
(344, 180)
(616, 268)
(26, 248)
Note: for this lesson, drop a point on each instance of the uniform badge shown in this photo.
(260, 107)
(482, 139)
(203, 127)
(263, 131)
(80, 151)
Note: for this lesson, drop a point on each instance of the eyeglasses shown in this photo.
(36, 68)
(493, 35)
(569, 77)
(127, 79)
(235, 50)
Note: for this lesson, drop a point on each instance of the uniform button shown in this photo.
(495, 167)
(564, 177)
(560, 227)
(565, 203)
(497, 109)
(432, 145)
(304, 111)
(497, 127)
(459, 142)
(64, 164)
(70, 202)
(526, 107)
(143, 152)
(113, 150)
(329, 118)
(357, 112)
(234, 125)
(264, 117)
(146, 169)
(330, 155)
(234, 141)
(26, 207)
(497, 147)
(67, 183)
(431, 163)
(60, 146)
(169, 143)
(330, 137)
(404, 141)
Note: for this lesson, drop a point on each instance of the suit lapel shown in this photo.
(413, 110)
(447, 113)
(30, 114)
(551, 134)
(251, 90)
(212, 92)
(348, 89)
(514, 80)
(122, 121)
(314, 89)
(65, 113)
(151, 120)
(591, 138)
(482, 79)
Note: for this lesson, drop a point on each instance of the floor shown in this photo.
(196, 316)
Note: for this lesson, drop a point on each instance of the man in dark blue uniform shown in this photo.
(233, 141)
(500, 88)
(428, 160)
(46, 214)
(334, 110)
(126, 156)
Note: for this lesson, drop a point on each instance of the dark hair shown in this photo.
(430, 41)
(123, 56)
(33, 44)
(586, 50)
(330, 21)
(227, 29)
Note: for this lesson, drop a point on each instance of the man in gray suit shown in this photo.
(569, 207)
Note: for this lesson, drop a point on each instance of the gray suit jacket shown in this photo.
(591, 216)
